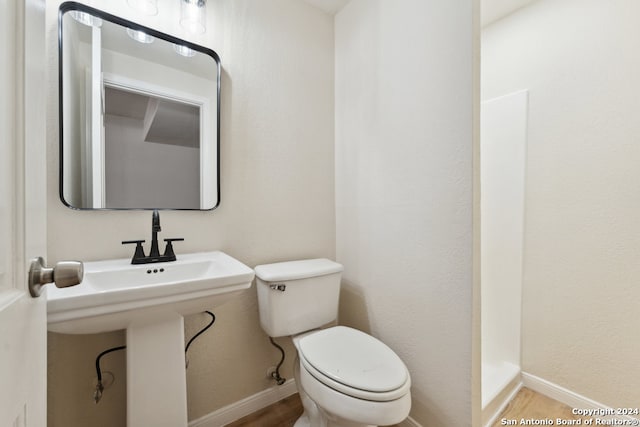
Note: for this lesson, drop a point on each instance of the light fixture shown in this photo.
(193, 16)
(140, 36)
(183, 50)
(86, 19)
(148, 7)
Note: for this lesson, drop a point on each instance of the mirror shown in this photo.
(139, 115)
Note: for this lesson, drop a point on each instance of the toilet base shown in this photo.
(303, 421)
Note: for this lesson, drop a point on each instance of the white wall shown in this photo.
(580, 60)
(404, 198)
(277, 200)
(148, 174)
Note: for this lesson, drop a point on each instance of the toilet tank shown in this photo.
(297, 296)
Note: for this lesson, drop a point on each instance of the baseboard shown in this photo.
(244, 407)
(568, 397)
(492, 411)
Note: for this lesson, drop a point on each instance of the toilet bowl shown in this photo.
(352, 378)
(345, 377)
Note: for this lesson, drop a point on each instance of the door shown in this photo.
(23, 348)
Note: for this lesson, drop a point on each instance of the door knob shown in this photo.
(64, 274)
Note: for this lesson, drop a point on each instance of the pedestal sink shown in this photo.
(149, 301)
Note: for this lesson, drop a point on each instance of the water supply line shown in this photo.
(203, 330)
(97, 394)
(276, 374)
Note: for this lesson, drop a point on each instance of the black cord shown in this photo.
(203, 330)
(276, 374)
(213, 319)
(97, 394)
(99, 386)
(98, 371)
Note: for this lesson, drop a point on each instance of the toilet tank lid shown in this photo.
(293, 270)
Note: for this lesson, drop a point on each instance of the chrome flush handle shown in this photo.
(64, 274)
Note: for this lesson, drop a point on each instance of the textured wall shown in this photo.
(404, 191)
(580, 60)
(277, 200)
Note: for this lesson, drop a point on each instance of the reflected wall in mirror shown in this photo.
(139, 116)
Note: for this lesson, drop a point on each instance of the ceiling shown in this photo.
(492, 10)
(165, 121)
(329, 6)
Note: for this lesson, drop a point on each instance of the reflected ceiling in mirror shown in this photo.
(139, 116)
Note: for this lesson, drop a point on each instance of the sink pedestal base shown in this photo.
(156, 377)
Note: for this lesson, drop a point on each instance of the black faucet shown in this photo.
(154, 254)
(155, 228)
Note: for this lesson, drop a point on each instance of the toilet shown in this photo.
(345, 378)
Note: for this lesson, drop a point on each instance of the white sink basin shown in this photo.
(115, 293)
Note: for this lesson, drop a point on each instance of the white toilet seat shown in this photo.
(353, 363)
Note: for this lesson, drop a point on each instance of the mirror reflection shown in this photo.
(138, 116)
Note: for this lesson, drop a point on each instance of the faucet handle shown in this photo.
(168, 250)
(139, 253)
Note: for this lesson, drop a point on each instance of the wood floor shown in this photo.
(527, 404)
(531, 405)
(281, 414)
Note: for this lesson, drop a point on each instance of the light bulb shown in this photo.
(140, 36)
(193, 16)
(85, 18)
(184, 51)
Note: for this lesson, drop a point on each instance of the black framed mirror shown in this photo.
(139, 115)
